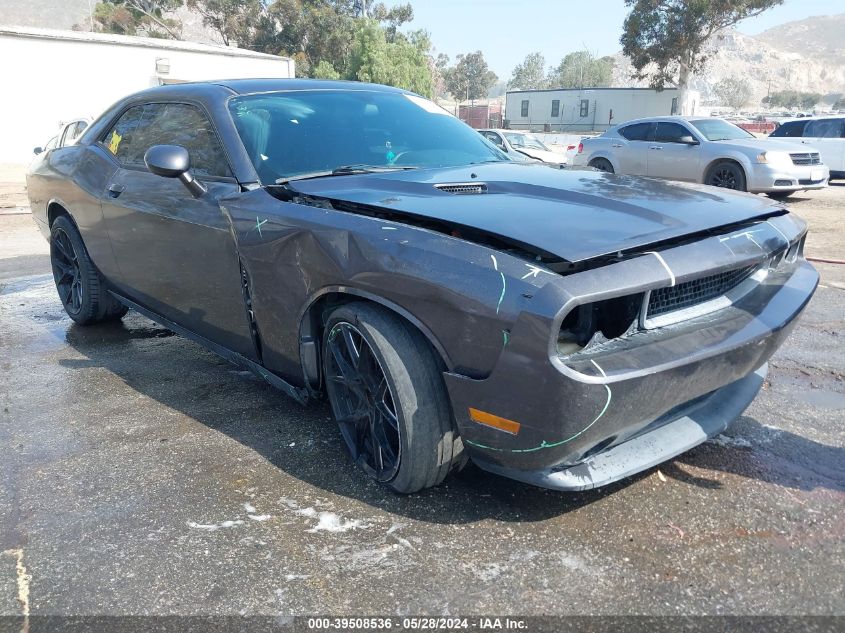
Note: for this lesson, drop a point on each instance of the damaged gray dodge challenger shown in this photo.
(352, 241)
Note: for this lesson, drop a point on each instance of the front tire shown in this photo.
(80, 287)
(727, 175)
(387, 395)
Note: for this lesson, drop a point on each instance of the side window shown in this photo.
(790, 129)
(67, 134)
(668, 132)
(169, 124)
(120, 140)
(824, 128)
(636, 132)
(585, 108)
(524, 108)
(495, 139)
(555, 108)
(81, 126)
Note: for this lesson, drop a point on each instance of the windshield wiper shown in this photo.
(345, 170)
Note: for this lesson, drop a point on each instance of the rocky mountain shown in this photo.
(70, 14)
(807, 55)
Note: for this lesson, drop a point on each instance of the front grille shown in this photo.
(697, 291)
(471, 188)
(808, 158)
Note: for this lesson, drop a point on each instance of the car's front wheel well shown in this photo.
(54, 210)
(717, 161)
(314, 320)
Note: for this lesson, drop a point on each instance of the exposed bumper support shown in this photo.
(685, 429)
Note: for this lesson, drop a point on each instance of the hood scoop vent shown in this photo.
(463, 188)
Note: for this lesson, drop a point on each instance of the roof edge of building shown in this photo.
(131, 40)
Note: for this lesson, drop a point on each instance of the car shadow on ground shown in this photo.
(305, 442)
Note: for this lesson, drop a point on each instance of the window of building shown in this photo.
(674, 105)
(555, 108)
(524, 108)
(585, 107)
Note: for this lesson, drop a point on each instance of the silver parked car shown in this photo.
(705, 150)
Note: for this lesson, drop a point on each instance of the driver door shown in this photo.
(176, 254)
(669, 157)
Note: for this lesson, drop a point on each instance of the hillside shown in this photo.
(770, 60)
(820, 37)
(65, 14)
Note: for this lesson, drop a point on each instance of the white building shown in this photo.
(50, 76)
(591, 109)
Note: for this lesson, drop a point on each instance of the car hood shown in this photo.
(539, 154)
(767, 145)
(575, 215)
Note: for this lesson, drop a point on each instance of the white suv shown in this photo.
(826, 134)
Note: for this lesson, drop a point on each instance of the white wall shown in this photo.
(65, 75)
(626, 104)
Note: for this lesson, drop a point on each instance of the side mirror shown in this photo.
(37, 150)
(689, 140)
(173, 161)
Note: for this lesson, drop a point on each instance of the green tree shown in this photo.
(470, 78)
(666, 39)
(236, 21)
(324, 70)
(582, 69)
(151, 18)
(531, 73)
(810, 99)
(402, 63)
(732, 92)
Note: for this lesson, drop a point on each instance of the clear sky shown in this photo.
(508, 30)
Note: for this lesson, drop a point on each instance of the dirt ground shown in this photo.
(140, 474)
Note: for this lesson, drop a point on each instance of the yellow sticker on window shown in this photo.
(114, 143)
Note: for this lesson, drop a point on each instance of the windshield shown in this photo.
(525, 140)
(719, 130)
(300, 133)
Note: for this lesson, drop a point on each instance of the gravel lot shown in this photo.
(140, 474)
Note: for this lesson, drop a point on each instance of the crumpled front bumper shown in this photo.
(673, 434)
(588, 419)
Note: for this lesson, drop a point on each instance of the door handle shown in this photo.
(115, 190)
(655, 147)
(616, 145)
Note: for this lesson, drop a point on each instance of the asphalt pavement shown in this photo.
(141, 474)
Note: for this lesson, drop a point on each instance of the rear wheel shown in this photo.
(78, 283)
(602, 164)
(388, 397)
(726, 174)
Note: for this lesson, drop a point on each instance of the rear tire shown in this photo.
(602, 164)
(727, 175)
(387, 394)
(81, 288)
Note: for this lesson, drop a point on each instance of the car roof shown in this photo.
(673, 118)
(200, 89)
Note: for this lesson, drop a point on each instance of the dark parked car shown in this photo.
(564, 328)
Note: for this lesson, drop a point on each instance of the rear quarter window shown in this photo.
(636, 131)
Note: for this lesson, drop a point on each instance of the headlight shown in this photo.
(774, 158)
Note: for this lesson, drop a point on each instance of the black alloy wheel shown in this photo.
(82, 290)
(727, 175)
(66, 272)
(362, 402)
